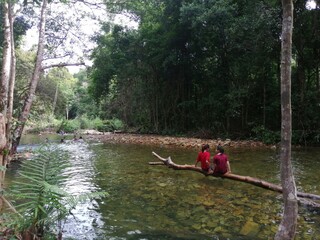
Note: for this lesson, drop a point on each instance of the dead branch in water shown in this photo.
(254, 181)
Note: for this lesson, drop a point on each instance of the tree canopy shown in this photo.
(207, 67)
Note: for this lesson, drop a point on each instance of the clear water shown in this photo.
(155, 202)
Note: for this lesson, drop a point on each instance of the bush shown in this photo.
(70, 126)
(46, 123)
(305, 137)
(86, 123)
(108, 125)
(34, 130)
(98, 124)
(117, 124)
(265, 135)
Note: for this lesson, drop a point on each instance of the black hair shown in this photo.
(204, 147)
(220, 149)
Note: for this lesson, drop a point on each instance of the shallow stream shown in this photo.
(154, 202)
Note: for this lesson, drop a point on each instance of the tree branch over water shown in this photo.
(247, 179)
(63, 65)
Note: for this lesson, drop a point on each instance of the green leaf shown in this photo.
(40, 198)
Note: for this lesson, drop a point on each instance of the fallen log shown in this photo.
(254, 181)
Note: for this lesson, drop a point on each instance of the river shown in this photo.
(154, 202)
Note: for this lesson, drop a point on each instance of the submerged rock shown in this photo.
(250, 229)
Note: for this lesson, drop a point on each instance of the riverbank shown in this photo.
(184, 142)
(147, 139)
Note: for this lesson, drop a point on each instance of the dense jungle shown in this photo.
(216, 70)
(206, 69)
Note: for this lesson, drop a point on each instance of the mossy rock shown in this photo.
(250, 229)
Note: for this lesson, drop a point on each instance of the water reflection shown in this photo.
(85, 221)
(154, 202)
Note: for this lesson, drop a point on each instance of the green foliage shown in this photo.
(56, 91)
(189, 65)
(117, 124)
(86, 123)
(70, 126)
(305, 137)
(4, 152)
(98, 124)
(47, 123)
(84, 104)
(265, 135)
(108, 125)
(38, 195)
(21, 26)
(74, 125)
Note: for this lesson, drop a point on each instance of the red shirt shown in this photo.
(204, 158)
(220, 160)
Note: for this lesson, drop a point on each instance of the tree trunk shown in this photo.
(11, 84)
(254, 181)
(6, 60)
(264, 106)
(5, 75)
(67, 112)
(287, 227)
(55, 99)
(2, 159)
(3, 140)
(34, 81)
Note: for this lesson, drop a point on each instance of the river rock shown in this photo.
(250, 229)
(93, 132)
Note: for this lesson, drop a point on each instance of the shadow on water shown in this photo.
(154, 202)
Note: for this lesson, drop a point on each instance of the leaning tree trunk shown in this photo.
(287, 227)
(33, 83)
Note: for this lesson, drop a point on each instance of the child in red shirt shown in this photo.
(204, 158)
(220, 162)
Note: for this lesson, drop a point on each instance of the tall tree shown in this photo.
(7, 77)
(6, 59)
(4, 85)
(195, 58)
(34, 81)
(287, 227)
(54, 49)
(305, 74)
(12, 79)
(192, 58)
(56, 89)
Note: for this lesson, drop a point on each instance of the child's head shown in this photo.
(220, 149)
(205, 147)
